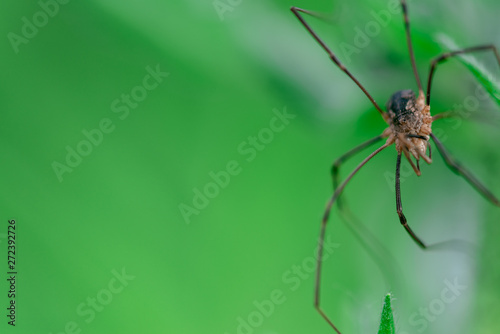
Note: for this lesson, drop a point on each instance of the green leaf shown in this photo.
(387, 319)
(487, 79)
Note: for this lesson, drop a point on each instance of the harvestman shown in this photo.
(409, 128)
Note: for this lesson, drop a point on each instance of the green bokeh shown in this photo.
(119, 208)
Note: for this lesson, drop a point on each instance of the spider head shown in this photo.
(402, 107)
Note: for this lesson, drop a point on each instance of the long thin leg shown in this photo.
(344, 157)
(458, 244)
(373, 247)
(447, 55)
(326, 215)
(334, 58)
(457, 168)
(410, 47)
(399, 206)
(445, 114)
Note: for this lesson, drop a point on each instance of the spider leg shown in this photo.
(447, 55)
(399, 207)
(321, 239)
(372, 246)
(336, 165)
(333, 57)
(457, 168)
(444, 114)
(408, 157)
(410, 47)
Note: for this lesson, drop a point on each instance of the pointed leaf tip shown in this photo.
(387, 318)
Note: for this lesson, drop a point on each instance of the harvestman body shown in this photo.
(409, 128)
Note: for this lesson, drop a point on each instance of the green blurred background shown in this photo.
(119, 209)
